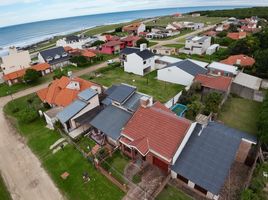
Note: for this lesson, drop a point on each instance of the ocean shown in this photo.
(30, 33)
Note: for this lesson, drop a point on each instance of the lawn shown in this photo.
(148, 84)
(4, 194)
(172, 193)
(152, 43)
(86, 144)
(241, 114)
(163, 21)
(39, 139)
(116, 165)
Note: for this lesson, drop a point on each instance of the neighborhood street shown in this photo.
(20, 168)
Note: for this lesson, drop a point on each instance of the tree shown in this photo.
(118, 29)
(79, 60)
(261, 64)
(233, 28)
(245, 46)
(212, 102)
(142, 41)
(97, 43)
(263, 37)
(31, 76)
(222, 34)
(193, 109)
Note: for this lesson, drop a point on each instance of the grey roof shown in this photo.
(107, 101)
(88, 116)
(72, 38)
(71, 110)
(87, 94)
(199, 38)
(120, 93)
(111, 121)
(206, 159)
(52, 53)
(53, 112)
(145, 54)
(189, 67)
(129, 50)
(133, 102)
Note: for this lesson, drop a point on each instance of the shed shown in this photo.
(212, 49)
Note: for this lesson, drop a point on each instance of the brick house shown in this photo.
(112, 47)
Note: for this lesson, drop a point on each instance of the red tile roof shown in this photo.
(245, 61)
(58, 94)
(237, 36)
(249, 29)
(41, 67)
(130, 38)
(156, 129)
(132, 27)
(221, 83)
(15, 75)
(112, 38)
(210, 33)
(112, 43)
(88, 54)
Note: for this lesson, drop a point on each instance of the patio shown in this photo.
(97, 136)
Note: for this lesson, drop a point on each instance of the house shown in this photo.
(174, 26)
(121, 102)
(42, 68)
(134, 28)
(196, 45)
(250, 29)
(156, 135)
(232, 20)
(63, 91)
(14, 77)
(182, 72)
(130, 41)
(237, 35)
(222, 69)
(87, 53)
(76, 116)
(166, 60)
(239, 60)
(212, 49)
(210, 33)
(112, 47)
(246, 86)
(127, 51)
(222, 27)
(179, 15)
(141, 62)
(50, 116)
(75, 42)
(57, 57)
(196, 14)
(219, 84)
(15, 61)
(165, 51)
(205, 161)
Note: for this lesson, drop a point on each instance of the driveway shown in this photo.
(21, 169)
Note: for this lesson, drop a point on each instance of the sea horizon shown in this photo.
(25, 34)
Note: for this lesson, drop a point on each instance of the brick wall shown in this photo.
(243, 151)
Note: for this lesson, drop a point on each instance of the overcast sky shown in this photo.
(21, 11)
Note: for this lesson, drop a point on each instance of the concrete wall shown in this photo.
(242, 91)
(243, 151)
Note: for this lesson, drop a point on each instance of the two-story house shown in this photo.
(75, 42)
(196, 45)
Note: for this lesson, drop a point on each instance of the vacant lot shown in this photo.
(68, 160)
(172, 193)
(148, 84)
(241, 114)
(4, 194)
(163, 21)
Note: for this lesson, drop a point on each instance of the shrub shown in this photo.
(212, 102)
(97, 43)
(31, 76)
(27, 116)
(142, 41)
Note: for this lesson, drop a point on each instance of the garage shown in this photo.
(159, 163)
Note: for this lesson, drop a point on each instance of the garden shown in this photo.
(70, 160)
(148, 84)
(172, 193)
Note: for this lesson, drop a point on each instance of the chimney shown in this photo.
(145, 102)
(238, 61)
(143, 47)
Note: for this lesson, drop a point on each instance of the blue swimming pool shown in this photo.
(179, 109)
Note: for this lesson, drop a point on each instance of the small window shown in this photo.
(200, 189)
(144, 62)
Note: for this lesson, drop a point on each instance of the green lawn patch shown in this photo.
(152, 43)
(86, 144)
(116, 165)
(172, 193)
(70, 160)
(137, 178)
(4, 194)
(241, 114)
(148, 84)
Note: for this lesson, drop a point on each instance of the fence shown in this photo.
(175, 99)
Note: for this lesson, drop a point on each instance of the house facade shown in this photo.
(221, 69)
(112, 47)
(75, 42)
(165, 51)
(57, 57)
(15, 61)
(196, 45)
(135, 28)
(141, 62)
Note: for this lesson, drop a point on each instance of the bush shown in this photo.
(212, 102)
(194, 109)
(97, 43)
(142, 41)
(31, 76)
(27, 115)
(118, 29)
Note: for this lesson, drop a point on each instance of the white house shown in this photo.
(140, 62)
(222, 69)
(212, 49)
(50, 116)
(182, 72)
(196, 45)
(15, 61)
(75, 42)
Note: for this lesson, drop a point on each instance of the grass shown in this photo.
(4, 194)
(241, 114)
(86, 142)
(163, 21)
(172, 193)
(152, 43)
(148, 84)
(39, 139)
(137, 178)
(116, 165)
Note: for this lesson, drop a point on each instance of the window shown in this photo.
(144, 62)
(200, 189)
(183, 179)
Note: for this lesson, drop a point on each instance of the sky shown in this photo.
(23, 11)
